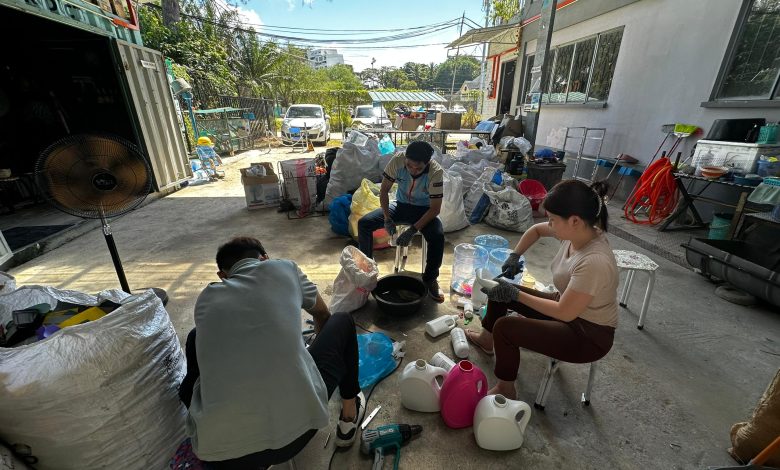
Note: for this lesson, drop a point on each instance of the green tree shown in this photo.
(464, 67)
(504, 10)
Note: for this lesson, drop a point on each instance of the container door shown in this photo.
(5, 251)
(149, 95)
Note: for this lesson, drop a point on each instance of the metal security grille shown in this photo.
(581, 71)
(755, 65)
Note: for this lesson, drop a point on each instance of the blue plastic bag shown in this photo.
(375, 351)
(340, 209)
(480, 210)
(386, 145)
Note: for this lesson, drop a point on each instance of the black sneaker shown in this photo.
(346, 431)
(434, 291)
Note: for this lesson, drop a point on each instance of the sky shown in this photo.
(339, 16)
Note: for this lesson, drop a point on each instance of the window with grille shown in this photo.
(581, 72)
(752, 65)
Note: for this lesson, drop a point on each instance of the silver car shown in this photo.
(369, 116)
(303, 119)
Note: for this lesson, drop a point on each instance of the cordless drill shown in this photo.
(384, 439)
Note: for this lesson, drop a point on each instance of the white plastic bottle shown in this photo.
(459, 343)
(441, 360)
(441, 325)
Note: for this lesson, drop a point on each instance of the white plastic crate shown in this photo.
(738, 155)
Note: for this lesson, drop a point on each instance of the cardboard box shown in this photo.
(408, 124)
(261, 191)
(448, 121)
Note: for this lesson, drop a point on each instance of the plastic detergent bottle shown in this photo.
(464, 386)
(441, 360)
(441, 325)
(499, 423)
(421, 385)
(459, 343)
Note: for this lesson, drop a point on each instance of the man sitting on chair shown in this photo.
(420, 192)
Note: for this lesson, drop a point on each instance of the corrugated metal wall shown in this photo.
(159, 130)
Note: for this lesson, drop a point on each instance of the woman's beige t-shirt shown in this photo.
(591, 270)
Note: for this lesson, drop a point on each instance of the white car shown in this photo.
(458, 108)
(369, 116)
(306, 118)
(439, 107)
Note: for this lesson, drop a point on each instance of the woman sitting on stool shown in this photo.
(577, 325)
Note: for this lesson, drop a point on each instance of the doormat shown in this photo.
(19, 237)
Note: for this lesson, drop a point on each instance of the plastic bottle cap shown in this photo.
(499, 400)
(465, 366)
(420, 364)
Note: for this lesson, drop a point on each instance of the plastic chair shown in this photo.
(633, 262)
(546, 384)
(534, 191)
(402, 252)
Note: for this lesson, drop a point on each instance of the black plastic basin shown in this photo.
(399, 295)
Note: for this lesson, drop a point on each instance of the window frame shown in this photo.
(728, 60)
(587, 103)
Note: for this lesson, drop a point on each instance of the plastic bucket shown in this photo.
(719, 227)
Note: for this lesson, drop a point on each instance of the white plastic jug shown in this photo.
(482, 279)
(441, 325)
(419, 386)
(499, 423)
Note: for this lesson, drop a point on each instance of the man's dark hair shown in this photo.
(419, 151)
(237, 249)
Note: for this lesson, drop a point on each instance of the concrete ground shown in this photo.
(664, 397)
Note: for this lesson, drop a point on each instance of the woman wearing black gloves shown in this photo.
(577, 325)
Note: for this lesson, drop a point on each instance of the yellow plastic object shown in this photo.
(59, 316)
(528, 280)
(205, 141)
(90, 314)
(365, 200)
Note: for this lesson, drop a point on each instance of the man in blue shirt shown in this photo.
(419, 197)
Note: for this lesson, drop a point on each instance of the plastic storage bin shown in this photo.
(549, 174)
(491, 242)
(468, 258)
(737, 155)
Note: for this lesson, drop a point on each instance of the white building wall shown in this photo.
(668, 62)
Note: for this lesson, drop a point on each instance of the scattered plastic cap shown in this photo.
(46, 331)
(204, 141)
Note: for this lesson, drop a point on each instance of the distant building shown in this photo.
(470, 85)
(322, 58)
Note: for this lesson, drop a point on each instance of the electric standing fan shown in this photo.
(95, 176)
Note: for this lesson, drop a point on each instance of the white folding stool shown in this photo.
(546, 385)
(634, 262)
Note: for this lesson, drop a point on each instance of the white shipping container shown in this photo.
(737, 155)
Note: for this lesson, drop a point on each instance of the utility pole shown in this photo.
(483, 66)
(373, 77)
(457, 53)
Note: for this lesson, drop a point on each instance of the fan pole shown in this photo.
(120, 272)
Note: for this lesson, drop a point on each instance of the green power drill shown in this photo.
(385, 438)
